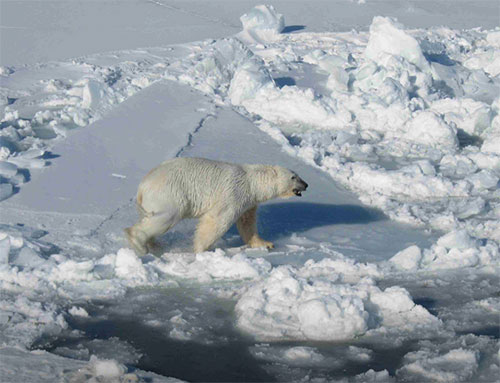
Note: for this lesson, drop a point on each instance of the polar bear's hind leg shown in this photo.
(141, 235)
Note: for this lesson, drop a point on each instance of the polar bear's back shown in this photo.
(190, 185)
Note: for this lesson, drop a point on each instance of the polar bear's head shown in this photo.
(288, 183)
(267, 182)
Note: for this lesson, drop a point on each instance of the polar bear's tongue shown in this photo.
(297, 192)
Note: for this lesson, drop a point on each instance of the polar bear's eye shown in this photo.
(294, 177)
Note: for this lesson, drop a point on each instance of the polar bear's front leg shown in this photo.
(210, 228)
(247, 227)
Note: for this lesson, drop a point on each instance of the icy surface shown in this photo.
(405, 119)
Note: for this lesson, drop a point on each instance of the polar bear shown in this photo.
(218, 193)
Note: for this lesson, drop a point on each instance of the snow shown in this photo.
(374, 113)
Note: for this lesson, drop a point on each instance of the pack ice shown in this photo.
(406, 120)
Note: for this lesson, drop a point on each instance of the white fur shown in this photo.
(219, 193)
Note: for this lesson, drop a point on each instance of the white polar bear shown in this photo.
(219, 193)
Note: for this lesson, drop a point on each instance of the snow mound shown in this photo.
(295, 109)
(454, 250)
(407, 259)
(111, 371)
(387, 37)
(457, 365)
(212, 69)
(228, 71)
(310, 304)
(213, 265)
(262, 23)
(107, 368)
(295, 356)
(430, 129)
(247, 81)
(285, 306)
(491, 133)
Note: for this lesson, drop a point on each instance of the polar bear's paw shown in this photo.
(154, 247)
(259, 242)
(138, 245)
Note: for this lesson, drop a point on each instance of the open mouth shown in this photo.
(297, 192)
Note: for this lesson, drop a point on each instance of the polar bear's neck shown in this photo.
(262, 182)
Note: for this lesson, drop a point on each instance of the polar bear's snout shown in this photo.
(300, 186)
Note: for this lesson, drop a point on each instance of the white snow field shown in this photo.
(386, 270)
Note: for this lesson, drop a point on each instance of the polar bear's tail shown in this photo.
(139, 198)
(138, 202)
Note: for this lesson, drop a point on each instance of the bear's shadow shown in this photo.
(277, 220)
(282, 219)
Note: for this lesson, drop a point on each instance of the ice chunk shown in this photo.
(430, 129)
(6, 191)
(344, 137)
(458, 239)
(484, 180)
(330, 63)
(78, 312)
(359, 354)
(30, 163)
(7, 169)
(214, 265)
(285, 306)
(262, 23)
(303, 354)
(493, 38)
(91, 92)
(491, 136)
(457, 365)
(33, 153)
(248, 79)
(308, 304)
(338, 79)
(4, 151)
(456, 165)
(394, 299)
(4, 250)
(388, 37)
(107, 368)
(472, 116)
(28, 257)
(467, 208)
(407, 259)
(129, 266)
(296, 109)
(5, 70)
